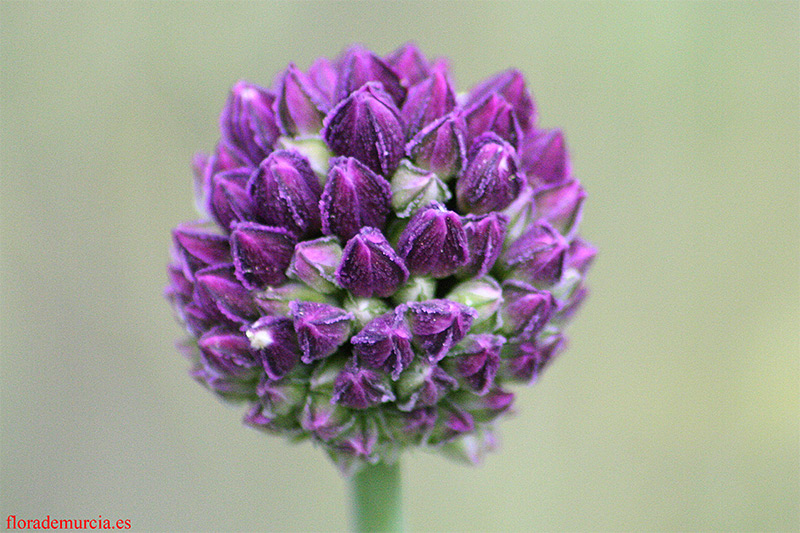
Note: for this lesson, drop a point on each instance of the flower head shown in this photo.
(381, 256)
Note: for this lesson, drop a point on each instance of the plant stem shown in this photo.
(376, 498)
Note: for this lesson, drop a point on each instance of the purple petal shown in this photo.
(315, 262)
(367, 126)
(437, 325)
(492, 114)
(299, 107)
(323, 75)
(228, 353)
(477, 360)
(228, 200)
(409, 64)
(440, 146)
(370, 267)
(354, 197)
(485, 236)
(385, 343)
(509, 84)
(580, 255)
(198, 246)
(428, 100)
(538, 255)
(532, 359)
(526, 309)
(320, 328)
(248, 122)
(434, 242)
(490, 182)
(286, 193)
(360, 388)
(261, 254)
(274, 339)
(223, 288)
(544, 157)
(561, 205)
(360, 66)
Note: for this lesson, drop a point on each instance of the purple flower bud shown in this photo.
(419, 423)
(473, 447)
(530, 358)
(359, 387)
(488, 407)
(544, 157)
(283, 397)
(286, 193)
(299, 107)
(484, 296)
(409, 64)
(509, 84)
(354, 197)
(437, 325)
(360, 66)
(526, 310)
(385, 343)
(315, 263)
(320, 328)
(440, 146)
(323, 75)
(220, 286)
(370, 267)
(423, 385)
(228, 200)
(179, 290)
(198, 246)
(452, 422)
(434, 242)
(248, 122)
(324, 420)
(490, 181)
(561, 205)
(492, 114)
(477, 359)
(261, 254)
(274, 339)
(580, 255)
(228, 387)
(538, 255)
(428, 100)
(228, 353)
(485, 236)
(358, 442)
(367, 126)
(413, 188)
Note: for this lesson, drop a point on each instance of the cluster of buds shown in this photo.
(379, 257)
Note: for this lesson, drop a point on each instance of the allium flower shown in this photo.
(379, 257)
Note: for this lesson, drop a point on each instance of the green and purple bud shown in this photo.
(379, 257)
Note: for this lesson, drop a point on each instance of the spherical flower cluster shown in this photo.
(379, 256)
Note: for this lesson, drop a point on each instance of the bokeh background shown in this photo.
(676, 406)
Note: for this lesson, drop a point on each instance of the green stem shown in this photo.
(377, 499)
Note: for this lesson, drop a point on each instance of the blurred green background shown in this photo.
(676, 406)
